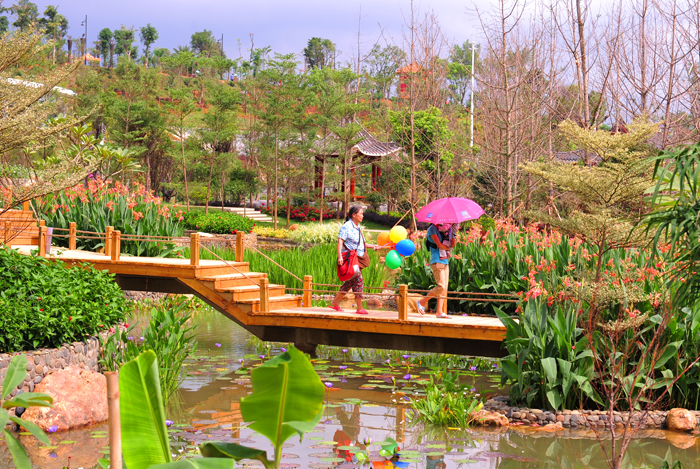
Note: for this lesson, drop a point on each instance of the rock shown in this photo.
(486, 418)
(79, 399)
(680, 440)
(680, 420)
(375, 302)
(516, 415)
(294, 227)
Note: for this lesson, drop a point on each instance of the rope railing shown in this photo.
(229, 264)
(275, 263)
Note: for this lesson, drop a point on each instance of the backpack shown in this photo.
(444, 236)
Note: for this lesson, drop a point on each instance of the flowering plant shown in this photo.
(302, 213)
(128, 208)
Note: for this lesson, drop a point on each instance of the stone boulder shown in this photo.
(680, 420)
(79, 399)
(486, 418)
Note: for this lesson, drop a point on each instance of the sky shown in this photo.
(285, 25)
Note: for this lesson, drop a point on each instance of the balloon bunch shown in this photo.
(400, 246)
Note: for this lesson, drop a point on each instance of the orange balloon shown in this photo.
(383, 239)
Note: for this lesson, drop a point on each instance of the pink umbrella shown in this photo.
(449, 210)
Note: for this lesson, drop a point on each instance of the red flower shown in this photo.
(70, 318)
(41, 310)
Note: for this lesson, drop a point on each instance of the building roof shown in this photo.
(574, 157)
(410, 68)
(368, 146)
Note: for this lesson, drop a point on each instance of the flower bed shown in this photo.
(129, 209)
(300, 213)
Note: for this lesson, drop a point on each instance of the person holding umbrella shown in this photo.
(440, 241)
(442, 214)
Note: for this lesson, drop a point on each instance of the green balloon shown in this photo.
(392, 259)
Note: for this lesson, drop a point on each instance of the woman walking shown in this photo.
(440, 241)
(350, 238)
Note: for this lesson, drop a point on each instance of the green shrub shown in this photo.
(168, 333)
(132, 211)
(47, 304)
(317, 234)
(218, 222)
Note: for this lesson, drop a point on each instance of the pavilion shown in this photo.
(369, 150)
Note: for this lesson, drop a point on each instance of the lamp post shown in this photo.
(471, 125)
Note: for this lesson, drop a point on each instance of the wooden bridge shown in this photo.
(267, 310)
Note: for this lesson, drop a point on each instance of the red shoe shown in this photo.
(362, 311)
(337, 308)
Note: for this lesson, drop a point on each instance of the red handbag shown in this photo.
(350, 267)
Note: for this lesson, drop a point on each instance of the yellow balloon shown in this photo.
(397, 234)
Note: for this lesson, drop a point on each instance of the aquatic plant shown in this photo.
(549, 362)
(14, 376)
(446, 403)
(287, 399)
(168, 334)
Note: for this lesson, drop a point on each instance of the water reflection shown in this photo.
(365, 405)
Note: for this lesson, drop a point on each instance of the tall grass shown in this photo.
(319, 261)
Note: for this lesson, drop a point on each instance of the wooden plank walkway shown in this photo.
(236, 292)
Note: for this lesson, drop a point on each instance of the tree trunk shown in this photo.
(276, 182)
(184, 168)
(211, 172)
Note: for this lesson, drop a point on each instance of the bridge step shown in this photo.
(276, 302)
(235, 294)
(233, 280)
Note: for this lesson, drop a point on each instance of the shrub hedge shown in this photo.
(46, 304)
(217, 222)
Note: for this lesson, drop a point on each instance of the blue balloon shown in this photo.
(405, 247)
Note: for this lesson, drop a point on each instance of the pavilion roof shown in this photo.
(369, 145)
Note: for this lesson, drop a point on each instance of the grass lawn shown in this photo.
(281, 223)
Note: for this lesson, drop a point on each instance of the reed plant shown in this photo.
(168, 333)
(319, 261)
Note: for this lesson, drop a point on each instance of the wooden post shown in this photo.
(194, 249)
(8, 234)
(25, 205)
(403, 302)
(115, 430)
(308, 281)
(264, 295)
(116, 244)
(42, 241)
(240, 247)
(108, 240)
(72, 229)
(42, 223)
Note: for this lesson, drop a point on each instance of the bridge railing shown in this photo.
(401, 294)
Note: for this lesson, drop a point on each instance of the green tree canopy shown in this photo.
(26, 14)
(320, 53)
(149, 35)
(203, 43)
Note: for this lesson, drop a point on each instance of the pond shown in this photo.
(368, 401)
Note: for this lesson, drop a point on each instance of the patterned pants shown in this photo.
(355, 284)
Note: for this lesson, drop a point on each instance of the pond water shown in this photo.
(368, 401)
